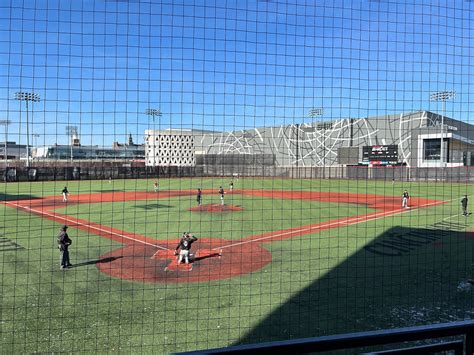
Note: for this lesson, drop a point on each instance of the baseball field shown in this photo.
(281, 259)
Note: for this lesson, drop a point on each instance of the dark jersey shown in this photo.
(185, 243)
(65, 191)
(464, 202)
(221, 192)
(199, 195)
(63, 240)
(405, 195)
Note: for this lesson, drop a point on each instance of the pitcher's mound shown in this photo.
(216, 208)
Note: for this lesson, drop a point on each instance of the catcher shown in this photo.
(185, 246)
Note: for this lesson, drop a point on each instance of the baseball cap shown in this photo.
(64, 227)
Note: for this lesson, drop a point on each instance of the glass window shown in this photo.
(432, 148)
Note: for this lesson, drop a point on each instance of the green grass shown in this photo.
(168, 218)
(316, 284)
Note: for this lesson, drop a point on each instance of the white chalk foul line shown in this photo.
(85, 225)
(349, 221)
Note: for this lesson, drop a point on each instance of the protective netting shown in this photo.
(320, 151)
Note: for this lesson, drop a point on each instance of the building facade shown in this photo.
(411, 139)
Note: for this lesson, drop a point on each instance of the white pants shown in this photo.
(405, 202)
(64, 196)
(183, 254)
(222, 200)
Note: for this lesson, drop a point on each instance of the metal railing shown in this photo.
(354, 341)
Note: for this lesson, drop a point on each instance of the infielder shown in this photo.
(221, 192)
(405, 199)
(199, 197)
(65, 193)
(184, 247)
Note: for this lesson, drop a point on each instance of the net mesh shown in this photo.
(319, 151)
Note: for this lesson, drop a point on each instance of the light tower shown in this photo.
(442, 96)
(318, 112)
(71, 131)
(33, 97)
(5, 156)
(153, 112)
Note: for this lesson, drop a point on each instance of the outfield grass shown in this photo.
(316, 284)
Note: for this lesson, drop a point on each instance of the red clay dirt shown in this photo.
(216, 208)
(146, 259)
(137, 262)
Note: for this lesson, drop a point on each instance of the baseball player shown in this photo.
(156, 186)
(405, 199)
(65, 193)
(221, 192)
(199, 197)
(464, 205)
(63, 244)
(184, 247)
(231, 186)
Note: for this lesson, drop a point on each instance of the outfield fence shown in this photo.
(126, 170)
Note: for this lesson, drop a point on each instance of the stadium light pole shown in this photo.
(442, 96)
(35, 142)
(35, 137)
(71, 131)
(153, 112)
(5, 123)
(33, 97)
(318, 112)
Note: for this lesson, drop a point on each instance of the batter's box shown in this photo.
(200, 254)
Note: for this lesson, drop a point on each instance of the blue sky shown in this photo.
(227, 64)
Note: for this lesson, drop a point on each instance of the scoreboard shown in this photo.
(380, 154)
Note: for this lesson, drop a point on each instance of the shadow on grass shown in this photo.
(153, 206)
(14, 197)
(404, 277)
(99, 261)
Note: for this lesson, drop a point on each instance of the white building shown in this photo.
(169, 148)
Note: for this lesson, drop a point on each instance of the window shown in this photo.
(432, 148)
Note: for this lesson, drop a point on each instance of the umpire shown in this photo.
(464, 205)
(63, 244)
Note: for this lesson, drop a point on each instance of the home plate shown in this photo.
(200, 254)
(173, 266)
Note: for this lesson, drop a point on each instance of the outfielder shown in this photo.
(184, 247)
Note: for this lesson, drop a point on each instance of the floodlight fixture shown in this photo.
(316, 111)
